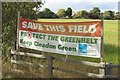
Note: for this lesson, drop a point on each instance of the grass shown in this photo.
(110, 55)
(65, 20)
(110, 39)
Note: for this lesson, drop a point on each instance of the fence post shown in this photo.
(102, 69)
(0, 39)
(108, 69)
(15, 57)
(50, 66)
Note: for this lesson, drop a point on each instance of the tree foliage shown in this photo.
(40, 14)
(81, 14)
(9, 21)
(46, 13)
(69, 12)
(117, 15)
(84, 14)
(61, 13)
(108, 14)
(76, 15)
(95, 13)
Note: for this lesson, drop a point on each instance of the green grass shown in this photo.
(110, 39)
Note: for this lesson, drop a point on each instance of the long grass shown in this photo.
(110, 39)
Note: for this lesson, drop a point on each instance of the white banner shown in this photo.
(71, 45)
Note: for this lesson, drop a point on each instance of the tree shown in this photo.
(81, 14)
(77, 15)
(61, 13)
(84, 14)
(117, 15)
(69, 12)
(40, 15)
(46, 13)
(95, 13)
(9, 21)
(108, 14)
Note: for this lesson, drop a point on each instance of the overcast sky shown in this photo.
(76, 5)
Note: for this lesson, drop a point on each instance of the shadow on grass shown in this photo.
(111, 53)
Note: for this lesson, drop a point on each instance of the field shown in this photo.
(110, 55)
(110, 39)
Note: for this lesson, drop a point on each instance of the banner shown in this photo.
(71, 38)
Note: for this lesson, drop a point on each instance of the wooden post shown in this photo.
(102, 39)
(108, 69)
(102, 69)
(17, 44)
(0, 19)
(43, 53)
(0, 40)
(0, 28)
(50, 66)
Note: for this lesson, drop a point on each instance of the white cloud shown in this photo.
(97, 2)
(55, 5)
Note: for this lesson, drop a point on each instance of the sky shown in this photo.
(77, 5)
